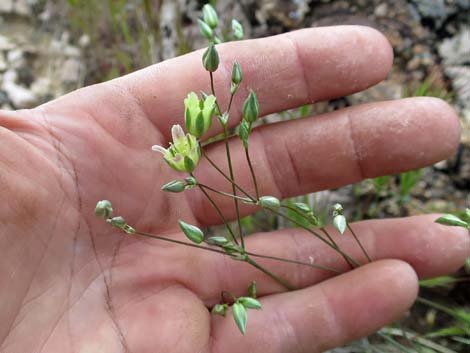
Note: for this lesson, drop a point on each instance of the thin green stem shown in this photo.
(316, 235)
(317, 267)
(279, 280)
(169, 240)
(324, 231)
(359, 243)
(243, 199)
(230, 167)
(253, 175)
(219, 212)
(216, 167)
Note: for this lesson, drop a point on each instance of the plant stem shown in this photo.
(230, 167)
(253, 175)
(317, 235)
(279, 280)
(243, 199)
(317, 267)
(359, 243)
(324, 231)
(219, 212)
(154, 236)
(212, 163)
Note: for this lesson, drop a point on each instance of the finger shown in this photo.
(324, 316)
(432, 250)
(285, 71)
(331, 150)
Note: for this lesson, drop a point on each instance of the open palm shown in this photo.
(70, 283)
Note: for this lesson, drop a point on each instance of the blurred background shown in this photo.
(50, 47)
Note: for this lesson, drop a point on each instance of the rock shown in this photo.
(381, 10)
(6, 6)
(20, 96)
(3, 63)
(71, 70)
(5, 43)
(41, 87)
(436, 10)
(456, 50)
(16, 59)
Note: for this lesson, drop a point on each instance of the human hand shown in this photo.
(70, 283)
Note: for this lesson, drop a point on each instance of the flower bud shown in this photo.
(210, 16)
(174, 186)
(190, 182)
(269, 202)
(251, 108)
(451, 220)
(240, 316)
(237, 29)
(220, 309)
(250, 303)
(104, 209)
(340, 223)
(302, 207)
(205, 30)
(218, 240)
(337, 209)
(236, 73)
(210, 59)
(198, 113)
(117, 222)
(252, 290)
(193, 233)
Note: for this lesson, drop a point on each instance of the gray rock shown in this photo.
(5, 43)
(20, 96)
(71, 70)
(435, 10)
(456, 50)
(6, 6)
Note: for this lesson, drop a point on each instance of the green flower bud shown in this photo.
(252, 289)
(174, 186)
(117, 222)
(337, 209)
(193, 233)
(190, 182)
(219, 241)
(205, 30)
(467, 214)
(237, 29)
(104, 209)
(244, 132)
(251, 108)
(236, 73)
(224, 118)
(269, 202)
(451, 220)
(210, 15)
(250, 303)
(198, 113)
(340, 223)
(302, 207)
(210, 59)
(220, 309)
(184, 154)
(240, 316)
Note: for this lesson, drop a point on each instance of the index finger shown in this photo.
(286, 71)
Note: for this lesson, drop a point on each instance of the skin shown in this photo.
(70, 283)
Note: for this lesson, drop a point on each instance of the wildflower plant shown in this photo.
(187, 149)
